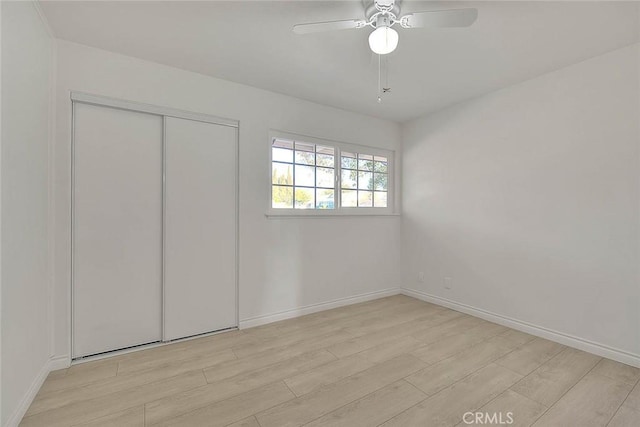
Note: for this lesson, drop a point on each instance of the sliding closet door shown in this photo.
(200, 227)
(117, 230)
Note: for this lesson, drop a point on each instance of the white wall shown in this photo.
(529, 199)
(26, 70)
(285, 264)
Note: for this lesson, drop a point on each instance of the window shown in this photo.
(311, 176)
(302, 175)
(364, 180)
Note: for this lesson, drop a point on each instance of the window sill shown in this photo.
(315, 214)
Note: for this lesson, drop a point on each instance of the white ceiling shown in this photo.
(251, 43)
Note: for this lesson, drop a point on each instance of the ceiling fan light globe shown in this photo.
(383, 40)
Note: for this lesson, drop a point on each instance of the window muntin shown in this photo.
(311, 176)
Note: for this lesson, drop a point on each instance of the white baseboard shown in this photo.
(53, 364)
(19, 412)
(313, 308)
(59, 362)
(559, 337)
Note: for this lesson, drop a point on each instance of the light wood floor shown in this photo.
(394, 361)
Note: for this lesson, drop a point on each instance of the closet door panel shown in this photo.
(200, 227)
(117, 231)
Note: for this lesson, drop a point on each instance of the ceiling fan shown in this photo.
(382, 15)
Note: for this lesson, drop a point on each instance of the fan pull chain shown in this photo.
(386, 89)
(379, 86)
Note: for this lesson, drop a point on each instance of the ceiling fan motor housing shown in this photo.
(370, 7)
(383, 21)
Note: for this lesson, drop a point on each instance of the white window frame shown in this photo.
(338, 210)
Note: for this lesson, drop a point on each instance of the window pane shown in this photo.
(305, 158)
(305, 176)
(281, 173)
(324, 199)
(380, 166)
(365, 165)
(324, 160)
(365, 181)
(380, 199)
(349, 160)
(349, 179)
(349, 198)
(281, 197)
(282, 155)
(304, 198)
(324, 177)
(365, 162)
(282, 143)
(365, 199)
(380, 181)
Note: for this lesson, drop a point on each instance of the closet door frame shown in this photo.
(163, 112)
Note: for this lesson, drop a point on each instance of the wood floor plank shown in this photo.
(379, 321)
(91, 365)
(447, 407)
(518, 336)
(442, 349)
(455, 326)
(247, 422)
(591, 402)
(326, 399)
(373, 409)
(179, 403)
(288, 331)
(345, 315)
(625, 417)
(269, 357)
(487, 330)
(456, 343)
(328, 373)
(446, 372)
(57, 373)
(633, 400)
(121, 383)
(617, 371)
(214, 342)
(142, 360)
(133, 417)
(88, 410)
(555, 377)
(79, 375)
(523, 410)
(166, 354)
(179, 365)
(234, 409)
(391, 349)
(530, 356)
(285, 340)
(337, 314)
(367, 341)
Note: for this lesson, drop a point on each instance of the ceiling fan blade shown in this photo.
(440, 18)
(318, 27)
